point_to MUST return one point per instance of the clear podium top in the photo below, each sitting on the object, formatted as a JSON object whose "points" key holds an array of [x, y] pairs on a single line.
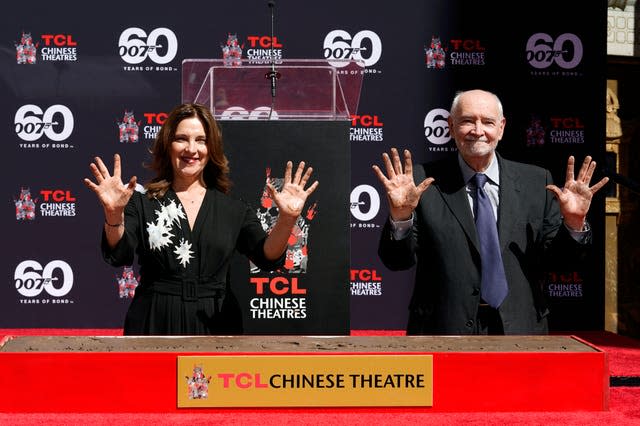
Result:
{"points": [[304, 89]]}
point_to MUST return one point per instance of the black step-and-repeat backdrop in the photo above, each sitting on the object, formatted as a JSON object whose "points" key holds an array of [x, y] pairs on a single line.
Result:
{"points": [[99, 78]]}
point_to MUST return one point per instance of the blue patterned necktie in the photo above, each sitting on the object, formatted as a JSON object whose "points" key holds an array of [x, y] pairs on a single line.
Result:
{"points": [[493, 287]]}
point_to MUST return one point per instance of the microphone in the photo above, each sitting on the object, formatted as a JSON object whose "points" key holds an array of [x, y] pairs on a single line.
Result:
{"points": [[273, 75]]}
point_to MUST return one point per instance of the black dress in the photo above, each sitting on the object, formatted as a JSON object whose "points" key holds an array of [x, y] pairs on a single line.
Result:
{"points": [[184, 287]]}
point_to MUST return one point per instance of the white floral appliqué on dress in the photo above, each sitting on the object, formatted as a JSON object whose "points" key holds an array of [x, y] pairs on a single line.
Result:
{"points": [[160, 232]]}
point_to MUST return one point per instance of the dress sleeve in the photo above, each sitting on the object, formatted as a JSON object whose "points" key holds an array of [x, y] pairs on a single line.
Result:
{"points": [[123, 253], [251, 242]]}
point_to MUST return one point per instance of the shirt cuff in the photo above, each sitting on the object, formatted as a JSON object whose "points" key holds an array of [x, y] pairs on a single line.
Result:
{"points": [[582, 236], [400, 229]]}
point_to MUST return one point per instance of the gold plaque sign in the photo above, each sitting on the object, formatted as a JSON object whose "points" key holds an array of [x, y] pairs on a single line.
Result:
{"points": [[305, 380]]}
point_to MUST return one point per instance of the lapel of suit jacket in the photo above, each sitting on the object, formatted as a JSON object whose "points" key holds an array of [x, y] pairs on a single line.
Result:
{"points": [[454, 193], [510, 193]]}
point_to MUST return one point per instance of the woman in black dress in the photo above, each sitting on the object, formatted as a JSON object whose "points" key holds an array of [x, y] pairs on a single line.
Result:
{"points": [[184, 228]]}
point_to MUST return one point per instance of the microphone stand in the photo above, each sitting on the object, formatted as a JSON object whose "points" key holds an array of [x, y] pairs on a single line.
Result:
{"points": [[272, 75]]}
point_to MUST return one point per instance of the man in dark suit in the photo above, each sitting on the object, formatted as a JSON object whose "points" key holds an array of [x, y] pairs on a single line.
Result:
{"points": [[432, 226]]}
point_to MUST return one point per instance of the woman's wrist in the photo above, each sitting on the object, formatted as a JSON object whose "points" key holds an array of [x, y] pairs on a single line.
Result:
{"points": [[114, 219]]}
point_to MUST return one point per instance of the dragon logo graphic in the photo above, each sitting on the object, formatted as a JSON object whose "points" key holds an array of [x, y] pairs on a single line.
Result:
{"points": [[232, 51], [435, 55], [129, 129], [26, 50], [25, 205]]}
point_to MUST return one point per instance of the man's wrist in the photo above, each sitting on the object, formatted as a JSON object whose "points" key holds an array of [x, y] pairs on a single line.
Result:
{"points": [[400, 229], [584, 228], [397, 221]]}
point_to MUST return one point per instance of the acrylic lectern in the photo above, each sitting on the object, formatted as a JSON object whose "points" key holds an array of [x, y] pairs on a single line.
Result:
{"points": [[298, 110]]}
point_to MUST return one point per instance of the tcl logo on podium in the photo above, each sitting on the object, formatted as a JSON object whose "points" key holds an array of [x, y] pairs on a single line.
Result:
{"points": [[278, 285]]}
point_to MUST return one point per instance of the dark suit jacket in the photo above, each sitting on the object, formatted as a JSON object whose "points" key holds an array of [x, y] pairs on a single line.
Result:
{"points": [[444, 248]]}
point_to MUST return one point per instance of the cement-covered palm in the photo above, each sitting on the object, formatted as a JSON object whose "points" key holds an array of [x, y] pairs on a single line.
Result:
{"points": [[112, 193], [575, 196], [402, 192], [293, 195]]}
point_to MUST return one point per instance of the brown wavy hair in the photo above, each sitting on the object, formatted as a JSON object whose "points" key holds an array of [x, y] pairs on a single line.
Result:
{"points": [[215, 173]]}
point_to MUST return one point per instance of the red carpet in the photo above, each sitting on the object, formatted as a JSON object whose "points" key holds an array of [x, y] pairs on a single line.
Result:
{"points": [[624, 362], [624, 352]]}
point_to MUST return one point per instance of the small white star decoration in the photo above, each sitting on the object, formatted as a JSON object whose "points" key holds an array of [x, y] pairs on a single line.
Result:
{"points": [[184, 252], [159, 235]]}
